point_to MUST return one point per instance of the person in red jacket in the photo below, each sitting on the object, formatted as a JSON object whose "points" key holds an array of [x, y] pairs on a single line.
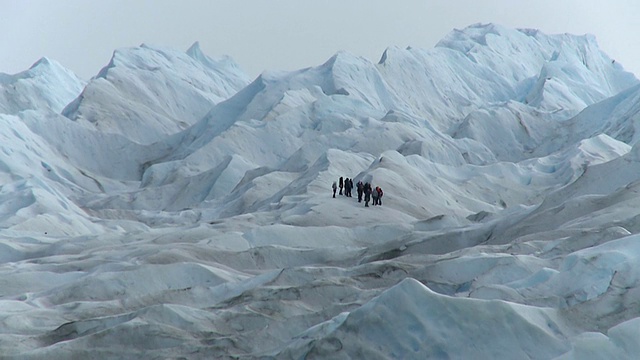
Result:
{"points": [[380, 193]]}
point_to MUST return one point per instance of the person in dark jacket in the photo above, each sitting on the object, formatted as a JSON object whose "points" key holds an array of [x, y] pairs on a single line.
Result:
{"points": [[341, 184], [347, 189], [360, 188], [334, 187], [367, 194], [350, 187]]}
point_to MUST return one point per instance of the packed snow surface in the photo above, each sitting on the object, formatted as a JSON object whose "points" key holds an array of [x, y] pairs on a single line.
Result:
{"points": [[171, 207]]}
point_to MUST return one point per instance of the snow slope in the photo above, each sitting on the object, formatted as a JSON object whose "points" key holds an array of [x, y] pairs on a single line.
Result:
{"points": [[174, 209]]}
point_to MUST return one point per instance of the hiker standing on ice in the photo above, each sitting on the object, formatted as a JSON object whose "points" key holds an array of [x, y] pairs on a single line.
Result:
{"points": [[374, 195], [341, 184], [367, 194], [380, 193], [359, 188], [347, 187], [334, 187]]}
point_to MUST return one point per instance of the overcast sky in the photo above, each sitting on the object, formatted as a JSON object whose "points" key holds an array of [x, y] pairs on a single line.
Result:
{"points": [[288, 34]]}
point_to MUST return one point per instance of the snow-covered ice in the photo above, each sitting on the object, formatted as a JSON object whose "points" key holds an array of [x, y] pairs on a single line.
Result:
{"points": [[171, 207]]}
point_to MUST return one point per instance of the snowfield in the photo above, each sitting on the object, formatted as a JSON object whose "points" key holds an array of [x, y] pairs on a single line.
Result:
{"points": [[171, 207]]}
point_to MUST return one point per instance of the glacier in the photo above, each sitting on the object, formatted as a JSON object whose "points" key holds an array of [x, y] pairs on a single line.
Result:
{"points": [[173, 207]]}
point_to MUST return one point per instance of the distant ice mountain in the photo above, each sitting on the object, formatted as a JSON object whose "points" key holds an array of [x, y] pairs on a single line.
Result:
{"points": [[171, 207], [147, 92], [46, 85]]}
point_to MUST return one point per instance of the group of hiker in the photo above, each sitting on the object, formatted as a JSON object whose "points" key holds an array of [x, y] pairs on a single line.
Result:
{"points": [[365, 190]]}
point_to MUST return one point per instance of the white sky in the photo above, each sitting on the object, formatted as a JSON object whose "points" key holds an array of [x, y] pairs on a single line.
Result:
{"points": [[287, 34]]}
